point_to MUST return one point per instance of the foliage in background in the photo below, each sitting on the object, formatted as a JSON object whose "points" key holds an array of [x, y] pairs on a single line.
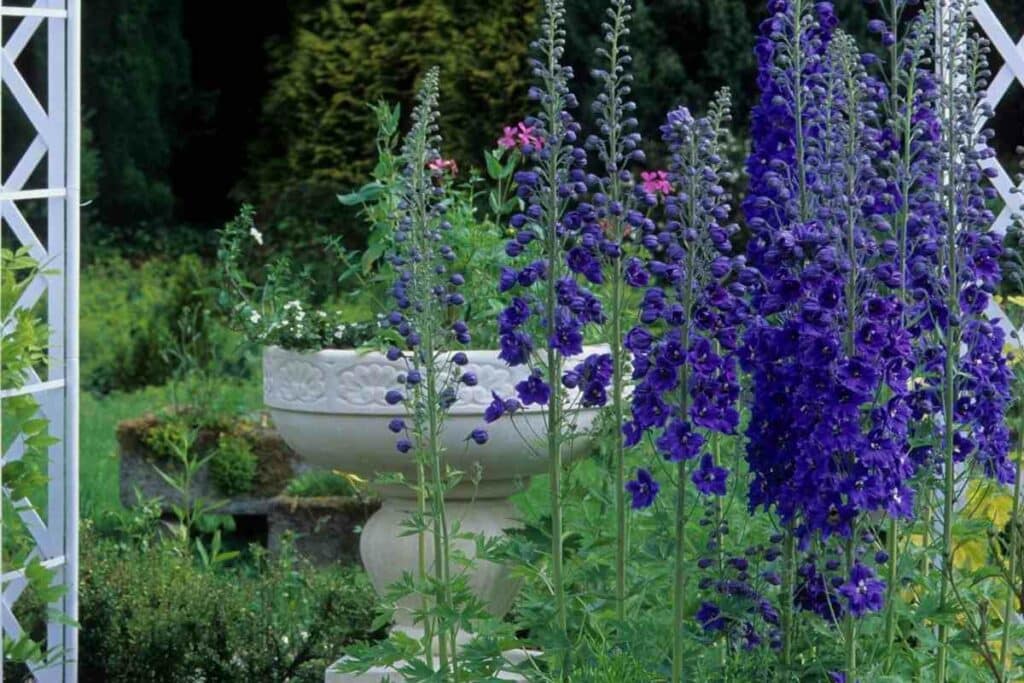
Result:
{"points": [[165, 134], [318, 484], [138, 75], [319, 134], [233, 466], [131, 315]]}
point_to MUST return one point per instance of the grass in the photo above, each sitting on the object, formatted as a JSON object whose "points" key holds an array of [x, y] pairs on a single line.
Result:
{"points": [[99, 466]]}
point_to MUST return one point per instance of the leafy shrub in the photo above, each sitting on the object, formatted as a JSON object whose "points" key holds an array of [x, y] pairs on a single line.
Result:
{"points": [[233, 465], [152, 614], [23, 348], [133, 314]]}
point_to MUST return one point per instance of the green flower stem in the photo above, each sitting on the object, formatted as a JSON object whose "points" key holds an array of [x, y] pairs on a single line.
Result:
{"points": [[1011, 583], [789, 543], [850, 625], [679, 591], [616, 192], [442, 542], [421, 539], [951, 342], [553, 206], [725, 651], [904, 114], [554, 425], [788, 589], [891, 548], [618, 410]]}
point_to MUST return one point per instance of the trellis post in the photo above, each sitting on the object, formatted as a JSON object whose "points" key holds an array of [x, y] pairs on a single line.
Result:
{"points": [[56, 140]]}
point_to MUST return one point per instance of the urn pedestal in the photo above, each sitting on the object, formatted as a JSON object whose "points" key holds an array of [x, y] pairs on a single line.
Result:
{"points": [[330, 407]]}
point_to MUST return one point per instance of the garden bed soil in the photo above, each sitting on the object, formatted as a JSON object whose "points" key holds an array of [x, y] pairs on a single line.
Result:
{"points": [[325, 529]]}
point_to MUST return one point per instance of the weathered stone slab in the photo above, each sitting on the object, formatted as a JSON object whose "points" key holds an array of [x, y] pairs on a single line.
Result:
{"points": [[326, 530], [277, 464]]}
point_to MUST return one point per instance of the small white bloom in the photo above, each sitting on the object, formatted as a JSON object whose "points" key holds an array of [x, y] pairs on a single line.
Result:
{"points": [[255, 317], [256, 235]]}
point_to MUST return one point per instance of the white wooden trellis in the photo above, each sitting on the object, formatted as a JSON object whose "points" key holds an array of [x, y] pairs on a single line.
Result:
{"points": [[54, 151], [1012, 71]]}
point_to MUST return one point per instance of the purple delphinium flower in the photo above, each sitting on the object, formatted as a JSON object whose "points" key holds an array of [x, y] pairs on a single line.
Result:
{"points": [[684, 362], [644, 489], [556, 250], [684, 349], [709, 478], [828, 349], [550, 308], [709, 616], [424, 289], [533, 390], [862, 591]]}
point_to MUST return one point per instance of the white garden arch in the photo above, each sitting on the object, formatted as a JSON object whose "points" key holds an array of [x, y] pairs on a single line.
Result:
{"points": [[1012, 71], [45, 177]]}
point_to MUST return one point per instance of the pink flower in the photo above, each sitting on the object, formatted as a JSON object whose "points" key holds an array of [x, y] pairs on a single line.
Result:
{"points": [[522, 136], [656, 182], [441, 165], [508, 138]]}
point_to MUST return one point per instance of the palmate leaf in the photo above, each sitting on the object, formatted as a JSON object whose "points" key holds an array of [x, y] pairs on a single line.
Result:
{"points": [[365, 194]]}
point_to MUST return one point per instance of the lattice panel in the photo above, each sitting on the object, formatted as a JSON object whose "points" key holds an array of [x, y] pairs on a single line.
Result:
{"points": [[1012, 71], [39, 208]]}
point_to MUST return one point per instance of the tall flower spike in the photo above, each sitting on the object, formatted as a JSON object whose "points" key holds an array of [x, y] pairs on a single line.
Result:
{"points": [[907, 160], [426, 298], [555, 249], [972, 380], [684, 349], [790, 51], [828, 350], [616, 219]]}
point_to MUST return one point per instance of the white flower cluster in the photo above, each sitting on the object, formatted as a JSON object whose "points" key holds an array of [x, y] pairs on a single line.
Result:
{"points": [[303, 329]]}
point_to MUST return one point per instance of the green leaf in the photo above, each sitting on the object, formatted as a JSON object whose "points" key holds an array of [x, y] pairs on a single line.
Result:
{"points": [[494, 168]]}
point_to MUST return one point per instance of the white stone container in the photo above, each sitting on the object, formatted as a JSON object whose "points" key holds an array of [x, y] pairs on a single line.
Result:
{"points": [[329, 406]]}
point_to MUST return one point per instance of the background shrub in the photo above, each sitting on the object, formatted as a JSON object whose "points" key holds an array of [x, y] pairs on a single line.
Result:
{"points": [[134, 315], [319, 133], [149, 613]]}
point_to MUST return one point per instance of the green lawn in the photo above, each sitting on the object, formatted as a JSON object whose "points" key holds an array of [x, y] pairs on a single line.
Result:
{"points": [[98, 445]]}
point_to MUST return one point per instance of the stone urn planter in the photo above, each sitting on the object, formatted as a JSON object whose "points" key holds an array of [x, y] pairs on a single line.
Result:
{"points": [[329, 407]]}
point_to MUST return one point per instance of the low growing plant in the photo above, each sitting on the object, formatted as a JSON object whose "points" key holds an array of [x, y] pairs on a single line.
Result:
{"points": [[233, 465], [151, 613]]}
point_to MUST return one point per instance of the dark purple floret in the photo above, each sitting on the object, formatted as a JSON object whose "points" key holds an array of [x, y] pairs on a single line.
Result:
{"points": [[862, 591], [644, 489], [709, 478], [710, 618]]}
